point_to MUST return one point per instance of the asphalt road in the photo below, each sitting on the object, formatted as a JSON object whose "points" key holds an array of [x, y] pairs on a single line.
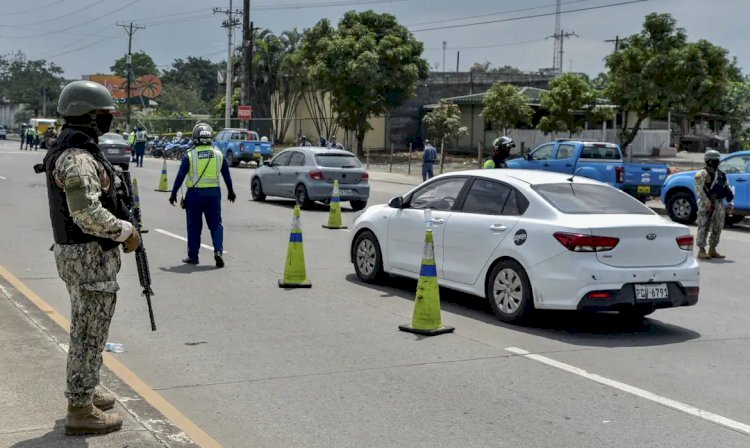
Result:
{"points": [[255, 365]]}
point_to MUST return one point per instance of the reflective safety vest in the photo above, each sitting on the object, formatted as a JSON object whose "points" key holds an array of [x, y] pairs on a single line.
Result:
{"points": [[131, 138], [205, 164], [490, 164]]}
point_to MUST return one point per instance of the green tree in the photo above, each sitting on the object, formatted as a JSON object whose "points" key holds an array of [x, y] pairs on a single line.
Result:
{"points": [[369, 64], [31, 82], [570, 102], [194, 74], [735, 106], [657, 71], [444, 123], [177, 100], [505, 107], [142, 64]]}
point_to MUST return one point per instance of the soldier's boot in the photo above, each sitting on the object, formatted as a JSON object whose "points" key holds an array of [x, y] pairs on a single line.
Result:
{"points": [[702, 255], [103, 399], [713, 254], [90, 420]]}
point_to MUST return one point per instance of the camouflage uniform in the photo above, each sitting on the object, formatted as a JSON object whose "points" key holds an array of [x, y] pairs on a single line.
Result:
{"points": [[88, 270], [710, 223]]}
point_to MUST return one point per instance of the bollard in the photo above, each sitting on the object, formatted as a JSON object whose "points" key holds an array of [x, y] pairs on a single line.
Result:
{"points": [[408, 167], [390, 168]]}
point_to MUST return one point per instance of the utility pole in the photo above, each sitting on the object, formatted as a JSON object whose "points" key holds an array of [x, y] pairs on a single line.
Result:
{"points": [[616, 40], [247, 59], [558, 41], [560, 38], [458, 58], [130, 29], [445, 45], [229, 24]]}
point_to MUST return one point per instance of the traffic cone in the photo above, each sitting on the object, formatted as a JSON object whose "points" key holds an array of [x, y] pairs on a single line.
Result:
{"points": [[295, 275], [426, 318], [137, 200], [163, 181], [334, 213]]}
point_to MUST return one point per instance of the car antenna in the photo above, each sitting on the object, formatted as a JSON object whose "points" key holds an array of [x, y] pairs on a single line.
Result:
{"points": [[570, 179]]}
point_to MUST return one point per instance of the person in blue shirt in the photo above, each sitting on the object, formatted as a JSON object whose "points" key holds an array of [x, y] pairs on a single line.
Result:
{"points": [[201, 166], [429, 156]]}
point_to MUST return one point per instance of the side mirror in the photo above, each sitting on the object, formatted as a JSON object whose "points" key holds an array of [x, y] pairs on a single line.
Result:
{"points": [[266, 163], [397, 202], [527, 156]]}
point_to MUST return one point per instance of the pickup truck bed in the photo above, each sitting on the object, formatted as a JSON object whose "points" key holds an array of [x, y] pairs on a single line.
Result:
{"points": [[644, 180]]}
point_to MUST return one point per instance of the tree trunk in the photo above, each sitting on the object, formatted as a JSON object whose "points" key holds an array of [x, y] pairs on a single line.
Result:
{"points": [[632, 133], [442, 154]]}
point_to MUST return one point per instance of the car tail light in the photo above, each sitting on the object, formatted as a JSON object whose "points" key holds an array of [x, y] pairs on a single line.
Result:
{"points": [[599, 295], [620, 174], [128, 149], [692, 291], [577, 242], [365, 177], [317, 175], [685, 242]]}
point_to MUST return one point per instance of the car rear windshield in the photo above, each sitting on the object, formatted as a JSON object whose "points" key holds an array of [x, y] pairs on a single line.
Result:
{"points": [[112, 137], [601, 152], [337, 161], [590, 199]]}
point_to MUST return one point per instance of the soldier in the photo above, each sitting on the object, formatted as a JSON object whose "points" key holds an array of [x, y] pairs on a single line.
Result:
{"points": [[89, 224], [712, 187]]}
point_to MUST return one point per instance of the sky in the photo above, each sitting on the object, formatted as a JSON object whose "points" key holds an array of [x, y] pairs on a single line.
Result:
{"points": [[82, 36]]}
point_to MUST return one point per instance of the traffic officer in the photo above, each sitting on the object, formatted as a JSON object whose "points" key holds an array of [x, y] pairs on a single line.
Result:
{"points": [[89, 224], [29, 137], [202, 166], [429, 156], [502, 146], [140, 146], [713, 188], [131, 143]]}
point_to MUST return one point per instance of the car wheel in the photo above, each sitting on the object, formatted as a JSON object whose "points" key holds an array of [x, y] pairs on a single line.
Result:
{"points": [[358, 205], [368, 260], [256, 190], [682, 208], [732, 220], [300, 195], [636, 313], [230, 159], [125, 166], [509, 291]]}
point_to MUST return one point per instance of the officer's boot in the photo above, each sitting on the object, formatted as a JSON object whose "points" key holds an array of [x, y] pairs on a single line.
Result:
{"points": [[713, 254], [702, 255], [103, 399], [90, 420]]}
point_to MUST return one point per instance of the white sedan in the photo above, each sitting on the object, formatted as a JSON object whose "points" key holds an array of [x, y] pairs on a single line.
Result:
{"points": [[530, 240]]}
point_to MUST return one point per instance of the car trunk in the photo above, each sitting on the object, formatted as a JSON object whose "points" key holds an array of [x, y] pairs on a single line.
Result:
{"points": [[343, 175], [113, 149], [642, 242]]}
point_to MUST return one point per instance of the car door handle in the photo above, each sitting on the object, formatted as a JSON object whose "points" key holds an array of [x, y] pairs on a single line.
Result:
{"points": [[741, 180], [546, 164], [498, 228], [568, 164], [438, 221]]}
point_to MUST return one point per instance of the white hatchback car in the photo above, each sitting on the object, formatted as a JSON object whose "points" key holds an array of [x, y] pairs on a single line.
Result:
{"points": [[530, 240]]}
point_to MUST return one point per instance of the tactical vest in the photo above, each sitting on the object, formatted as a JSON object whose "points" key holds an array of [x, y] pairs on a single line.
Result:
{"points": [[64, 229], [716, 185], [205, 167]]}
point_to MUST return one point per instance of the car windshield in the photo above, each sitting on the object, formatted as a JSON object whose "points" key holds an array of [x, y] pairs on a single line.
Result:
{"points": [[337, 161], [590, 199], [112, 137]]}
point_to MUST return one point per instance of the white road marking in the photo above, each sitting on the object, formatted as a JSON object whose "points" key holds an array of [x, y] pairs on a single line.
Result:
{"points": [[164, 232], [664, 401]]}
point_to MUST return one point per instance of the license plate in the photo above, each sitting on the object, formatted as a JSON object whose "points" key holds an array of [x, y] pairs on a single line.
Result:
{"points": [[346, 192], [113, 151], [651, 291], [644, 189]]}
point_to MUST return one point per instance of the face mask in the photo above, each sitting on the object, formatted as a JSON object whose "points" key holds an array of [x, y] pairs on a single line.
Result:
{"points": [[103, 122], [713, 164]]}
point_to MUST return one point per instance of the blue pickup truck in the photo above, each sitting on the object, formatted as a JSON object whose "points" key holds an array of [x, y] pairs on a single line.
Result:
{"points": [[678, 192], [242, 145], [596, 160]]}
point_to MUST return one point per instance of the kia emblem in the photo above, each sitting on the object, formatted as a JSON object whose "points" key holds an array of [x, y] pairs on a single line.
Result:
{"points": [[651, 236]]}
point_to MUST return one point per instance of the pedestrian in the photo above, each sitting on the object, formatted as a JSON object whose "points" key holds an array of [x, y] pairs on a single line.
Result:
{"points": [[131, 143], [202, 166], [322, 142], [22, 133], [502, 146], [89, 225], [29, 137], [36, 139], [140, 146], [334, 144], [712, 188], [429, 156]]}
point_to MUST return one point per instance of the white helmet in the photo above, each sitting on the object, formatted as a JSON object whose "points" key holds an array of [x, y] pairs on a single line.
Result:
{"points": [[179, 135], [264, 139]]}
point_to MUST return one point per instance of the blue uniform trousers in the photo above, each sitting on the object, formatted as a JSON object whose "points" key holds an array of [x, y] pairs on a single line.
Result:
{"points": [[200, 202], [427, 170]]}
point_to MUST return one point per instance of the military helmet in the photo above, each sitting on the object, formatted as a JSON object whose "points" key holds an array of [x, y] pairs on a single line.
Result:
{"points": [[202, 133], [503, 141], [81, 97], [712, 154]]}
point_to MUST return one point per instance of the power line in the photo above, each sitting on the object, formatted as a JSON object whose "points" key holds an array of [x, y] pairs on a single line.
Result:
{"points": [[511, 19], [474, 47], [76, 42], [23, 25], [36, 9], [499, 13], [325, 4]]}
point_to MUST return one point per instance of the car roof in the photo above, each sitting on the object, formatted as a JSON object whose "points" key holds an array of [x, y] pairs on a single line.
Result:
{"points": [[531, 177], [321, 150], [737, 153]]}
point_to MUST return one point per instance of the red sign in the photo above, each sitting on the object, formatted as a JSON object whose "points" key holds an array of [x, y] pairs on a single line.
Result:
{"points": [[245, 112]]}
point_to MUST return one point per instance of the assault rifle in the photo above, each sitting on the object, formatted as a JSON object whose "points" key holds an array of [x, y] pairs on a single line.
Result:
{"points": [[133, 203]]}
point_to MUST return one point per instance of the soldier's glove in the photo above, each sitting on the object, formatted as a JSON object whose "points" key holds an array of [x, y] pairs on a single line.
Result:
{"points": [[709, 206], [231, 196], [132, 242], [172, 200]]}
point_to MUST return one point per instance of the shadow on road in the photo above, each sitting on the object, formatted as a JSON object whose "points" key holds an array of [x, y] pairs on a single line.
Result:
{"points": [[189, 268], [54, 439], [577, 328], [315, 207]]}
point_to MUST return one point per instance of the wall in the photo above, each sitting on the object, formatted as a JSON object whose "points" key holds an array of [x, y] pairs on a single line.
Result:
{"points": [[643, 144], [7, 114]]}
